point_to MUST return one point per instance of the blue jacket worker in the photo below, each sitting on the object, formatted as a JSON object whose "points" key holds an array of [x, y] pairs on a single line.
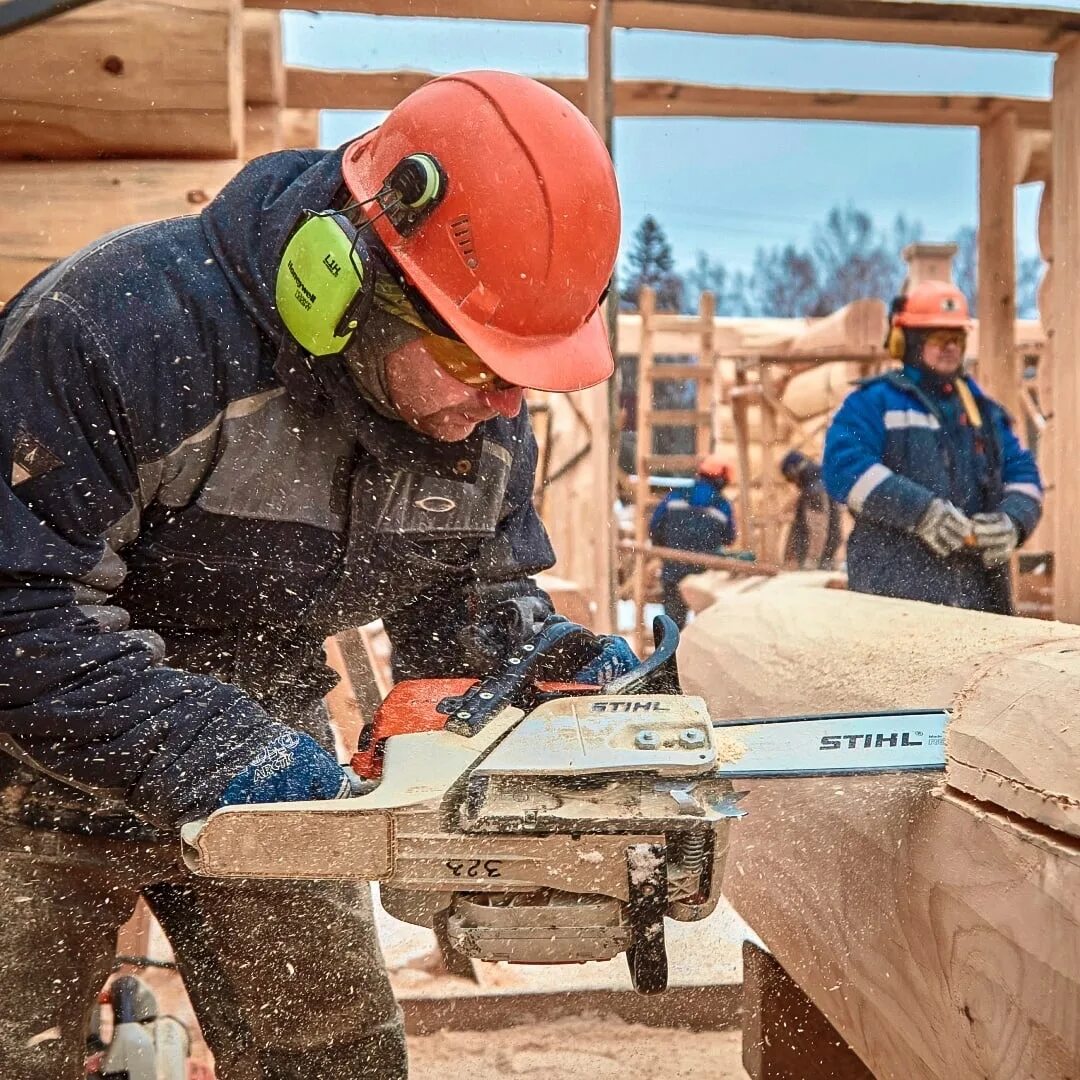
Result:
{"points": [[698, 520], [941, 490], [223, 438]]}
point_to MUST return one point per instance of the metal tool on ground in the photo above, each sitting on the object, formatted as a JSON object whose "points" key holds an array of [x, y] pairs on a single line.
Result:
{"points": [[534, 820]]}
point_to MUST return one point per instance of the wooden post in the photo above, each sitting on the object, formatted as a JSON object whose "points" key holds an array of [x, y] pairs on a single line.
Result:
{"points": [[601, 401], [739, 419], [647, 308], [706, 388], [999, 360], [1065, 319], [785, 1035], [770, 501]]}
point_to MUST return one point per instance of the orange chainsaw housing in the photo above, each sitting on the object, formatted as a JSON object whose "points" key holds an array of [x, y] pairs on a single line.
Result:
{"points": [[411, 707]]}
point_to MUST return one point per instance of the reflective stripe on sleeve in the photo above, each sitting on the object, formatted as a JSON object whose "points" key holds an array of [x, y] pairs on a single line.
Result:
{"points": [[860, 491], [1030, 490], [897, 419]]}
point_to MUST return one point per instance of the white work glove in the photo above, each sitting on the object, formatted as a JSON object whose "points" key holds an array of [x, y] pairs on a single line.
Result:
{"points": [[943, 528], [996, 537]]}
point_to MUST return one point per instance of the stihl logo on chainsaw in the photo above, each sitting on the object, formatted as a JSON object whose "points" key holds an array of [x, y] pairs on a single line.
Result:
{"points": [[628, 706], [873, 741]]}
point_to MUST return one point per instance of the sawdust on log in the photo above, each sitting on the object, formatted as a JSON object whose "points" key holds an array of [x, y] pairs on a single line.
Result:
{"points": [[578, 1048]]}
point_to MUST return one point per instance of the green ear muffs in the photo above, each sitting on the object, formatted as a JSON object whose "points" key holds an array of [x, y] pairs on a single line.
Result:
{"points": [[325, 283]]}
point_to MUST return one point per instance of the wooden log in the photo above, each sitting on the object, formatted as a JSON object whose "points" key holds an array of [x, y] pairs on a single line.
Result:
{"points": [[371, 90], [939, 935], [125, 78], [785, 1035], [821, 389], [61, 207], [939, 938], [1000, 363], [263, 131], [857, 328], [802, 648], [299, 128], [1065, 324], [264, 65], [962, 25], [1015, 739]]}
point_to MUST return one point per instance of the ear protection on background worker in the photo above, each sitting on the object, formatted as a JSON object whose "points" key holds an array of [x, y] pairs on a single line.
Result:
{"points": [[895, 342], [325, 281]]}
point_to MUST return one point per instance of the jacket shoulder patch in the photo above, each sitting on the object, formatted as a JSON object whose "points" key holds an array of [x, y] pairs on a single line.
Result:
{"points": [[30, 458]]}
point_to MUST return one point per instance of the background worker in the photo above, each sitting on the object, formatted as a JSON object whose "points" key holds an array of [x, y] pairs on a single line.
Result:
{"points": [[815, 536], [941, 490], [223, 438], [700, 519]]}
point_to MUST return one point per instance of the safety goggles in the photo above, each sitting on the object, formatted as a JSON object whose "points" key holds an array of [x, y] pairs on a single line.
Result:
{"points": [[942, 339], [440, 342]]}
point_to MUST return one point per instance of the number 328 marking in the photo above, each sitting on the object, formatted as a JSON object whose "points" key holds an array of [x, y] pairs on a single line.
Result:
{"points": [[475, 868]]}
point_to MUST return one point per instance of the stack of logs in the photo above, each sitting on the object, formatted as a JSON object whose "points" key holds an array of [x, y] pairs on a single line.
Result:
{"points": [[126, 111]]}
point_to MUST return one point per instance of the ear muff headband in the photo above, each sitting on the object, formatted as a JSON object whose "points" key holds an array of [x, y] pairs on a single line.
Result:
{"points": [[325, 283], [326, 275]]}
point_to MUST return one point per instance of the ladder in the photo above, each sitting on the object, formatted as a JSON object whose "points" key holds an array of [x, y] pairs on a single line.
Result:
{"points": [[699, 417]]}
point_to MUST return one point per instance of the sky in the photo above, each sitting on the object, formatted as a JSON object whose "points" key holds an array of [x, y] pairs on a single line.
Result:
{"points": [[725, 187]]}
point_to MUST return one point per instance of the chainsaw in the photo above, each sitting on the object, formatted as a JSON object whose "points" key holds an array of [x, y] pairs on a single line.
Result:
{"points": [[530, 819]]}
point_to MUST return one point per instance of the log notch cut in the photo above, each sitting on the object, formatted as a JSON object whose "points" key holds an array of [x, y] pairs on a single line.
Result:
{"points": [[938, 932], [125, 79]]}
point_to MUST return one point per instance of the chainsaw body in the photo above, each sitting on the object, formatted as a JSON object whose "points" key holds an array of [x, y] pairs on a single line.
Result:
{"points": [[525, 818], [530, 819]]}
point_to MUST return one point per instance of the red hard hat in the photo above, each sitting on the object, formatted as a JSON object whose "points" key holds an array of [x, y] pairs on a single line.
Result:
{"points": [[517, 254], [933, 305], [714, 467]]}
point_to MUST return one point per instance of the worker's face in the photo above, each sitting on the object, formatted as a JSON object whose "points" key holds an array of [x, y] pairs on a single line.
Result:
{"points": [[438, 405], [943, 351]]}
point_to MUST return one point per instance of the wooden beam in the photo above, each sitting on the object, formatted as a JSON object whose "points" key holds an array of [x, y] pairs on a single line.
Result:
{"points": [[937, 937], [977, 26], [643, 452], [785, 1035], [125, 78], [600, 401], [379, 90], [940, 936], [264, 64], [1016, 740], [62, 206], [1065, 320], [1000, 364]]}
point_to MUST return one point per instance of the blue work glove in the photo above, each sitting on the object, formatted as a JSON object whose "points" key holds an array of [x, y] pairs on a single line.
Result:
{"points": [[293, 768], [614, 659]]}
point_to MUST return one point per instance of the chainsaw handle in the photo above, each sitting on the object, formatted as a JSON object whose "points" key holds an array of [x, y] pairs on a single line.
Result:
{"points": [[561, 648], [659, 674]]}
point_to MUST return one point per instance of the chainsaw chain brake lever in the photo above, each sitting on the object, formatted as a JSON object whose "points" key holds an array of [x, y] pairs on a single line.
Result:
{"points": [[659, 674], [560, 649]]}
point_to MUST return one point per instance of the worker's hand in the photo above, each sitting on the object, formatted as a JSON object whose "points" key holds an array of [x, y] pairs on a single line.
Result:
{"points": [[292, 768], [614, 658], [996, 536], [943, 528]]}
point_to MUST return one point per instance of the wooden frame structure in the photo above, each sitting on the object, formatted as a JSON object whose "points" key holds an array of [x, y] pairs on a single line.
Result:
{"points": [[246, 89]]}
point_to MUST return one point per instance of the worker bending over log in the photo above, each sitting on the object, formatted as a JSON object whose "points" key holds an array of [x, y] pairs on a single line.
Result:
{"points": [[222, 439], [941, 490], [699, 520]]}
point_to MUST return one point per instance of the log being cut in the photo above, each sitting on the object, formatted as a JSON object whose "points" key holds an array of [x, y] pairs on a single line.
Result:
{"points": [[936, 926]]}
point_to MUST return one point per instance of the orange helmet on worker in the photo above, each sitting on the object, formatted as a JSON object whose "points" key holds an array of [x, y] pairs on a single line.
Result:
{"points": [[516, 255], [714, 467], [928, 327]]}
